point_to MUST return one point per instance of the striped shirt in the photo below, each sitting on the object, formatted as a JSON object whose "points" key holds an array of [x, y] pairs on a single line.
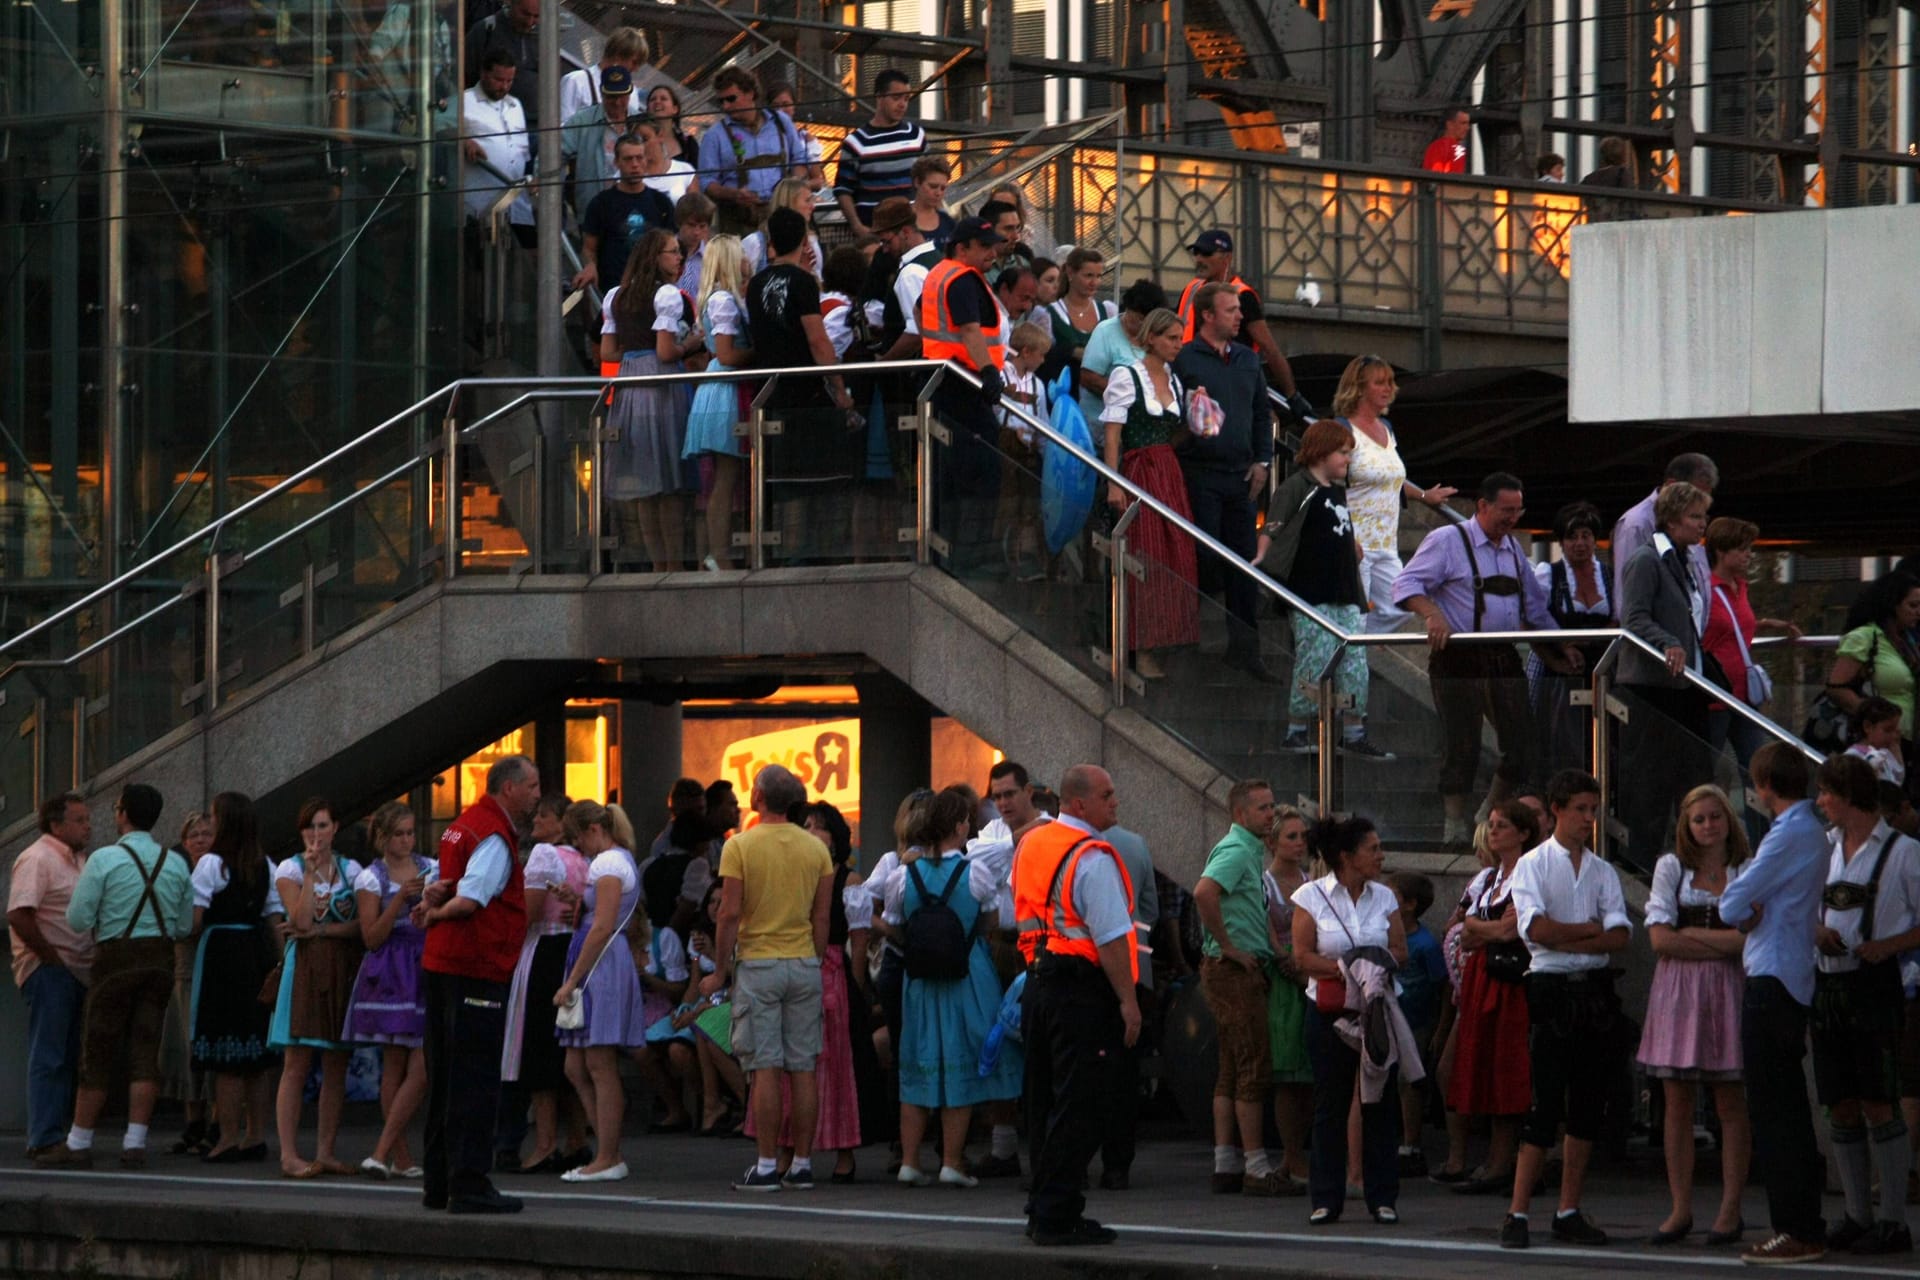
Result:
{"points": [[877, 162]]}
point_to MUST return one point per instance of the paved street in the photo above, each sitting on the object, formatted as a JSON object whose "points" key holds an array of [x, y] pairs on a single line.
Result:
{"points": [[677, 1216]]}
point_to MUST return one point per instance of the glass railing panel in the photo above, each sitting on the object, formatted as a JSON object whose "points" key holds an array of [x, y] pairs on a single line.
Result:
{"points": [[150, 679], [816, 457], [1664, 749], [19, 749], [1049, 577], [313, 64]]}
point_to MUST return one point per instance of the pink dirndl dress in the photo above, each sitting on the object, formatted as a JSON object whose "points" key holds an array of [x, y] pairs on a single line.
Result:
{"points": [[1693, 1008]]}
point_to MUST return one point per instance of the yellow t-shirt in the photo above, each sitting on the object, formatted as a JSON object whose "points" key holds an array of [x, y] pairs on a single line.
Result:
{"points": [[779, 867]]}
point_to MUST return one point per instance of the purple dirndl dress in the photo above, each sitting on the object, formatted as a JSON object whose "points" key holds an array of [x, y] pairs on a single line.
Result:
{"points": [[614, 1005], [388, 1005]]}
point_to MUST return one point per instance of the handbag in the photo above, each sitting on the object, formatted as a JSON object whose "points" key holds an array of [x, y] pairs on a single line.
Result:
{"points": [[1330, 994], [1507, 960], [572, 1016], [1759, 684], [1828, 727]]}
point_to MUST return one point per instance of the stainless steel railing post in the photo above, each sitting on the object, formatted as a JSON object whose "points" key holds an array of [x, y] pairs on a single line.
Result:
{"points": [[1119, 565], [1603, 711], [212, 615], [1328, 696], [450, 491]]}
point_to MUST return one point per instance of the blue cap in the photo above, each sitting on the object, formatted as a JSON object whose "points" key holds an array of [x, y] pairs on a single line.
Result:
{"points": [[616, 79]]}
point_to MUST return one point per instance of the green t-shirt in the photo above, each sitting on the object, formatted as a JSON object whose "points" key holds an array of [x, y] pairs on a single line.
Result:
{"points": [[1238, 864], [1892, 678]]}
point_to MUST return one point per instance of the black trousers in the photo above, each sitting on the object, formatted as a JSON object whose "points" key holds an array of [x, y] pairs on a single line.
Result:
{"points": [[1573, 1022], [1786, 1157], [1336, 1065], [1123, 1112], [1469, 683], [1222, 508], [466, 1025], [1076, 1048]]}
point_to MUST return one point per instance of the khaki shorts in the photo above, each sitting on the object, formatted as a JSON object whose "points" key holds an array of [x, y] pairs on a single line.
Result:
{"points": [[776, 1014], [1238, 1001], [127, 998]]}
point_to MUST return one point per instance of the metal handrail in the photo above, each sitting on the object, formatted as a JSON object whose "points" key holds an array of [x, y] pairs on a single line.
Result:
{"points": [[583, 387], [1388, 639]]}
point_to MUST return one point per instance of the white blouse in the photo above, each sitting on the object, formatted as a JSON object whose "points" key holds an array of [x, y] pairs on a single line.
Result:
{"points": [[1673, 889], [1120, 395], [669, 311], [1340, 924], [618, 863], [345, 872], [368, 882], [210, 877]]}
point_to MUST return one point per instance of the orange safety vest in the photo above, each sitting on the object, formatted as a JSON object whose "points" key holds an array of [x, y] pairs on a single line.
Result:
{"points": [[1186, 301], [939, 336], [1044, 867]]}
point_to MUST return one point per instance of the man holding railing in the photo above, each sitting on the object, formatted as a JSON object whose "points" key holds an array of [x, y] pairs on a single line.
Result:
{"points": [[1475, 577]]}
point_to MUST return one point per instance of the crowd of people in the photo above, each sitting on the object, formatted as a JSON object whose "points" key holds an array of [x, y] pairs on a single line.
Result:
{"points": [[1003, 958]]}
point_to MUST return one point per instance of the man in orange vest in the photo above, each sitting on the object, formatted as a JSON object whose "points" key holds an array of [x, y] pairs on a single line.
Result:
{"points": [[1079, 1015], [1213, 261], [960, 320]]}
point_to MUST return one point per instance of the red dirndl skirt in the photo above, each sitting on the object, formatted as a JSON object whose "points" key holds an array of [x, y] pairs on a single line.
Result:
{"points": [[1491, 1076], [1163, 611]]}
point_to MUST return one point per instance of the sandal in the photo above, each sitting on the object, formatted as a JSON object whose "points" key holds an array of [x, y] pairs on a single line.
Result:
{"points": [[302, 1173], [193, 1140], [335, 1167]]}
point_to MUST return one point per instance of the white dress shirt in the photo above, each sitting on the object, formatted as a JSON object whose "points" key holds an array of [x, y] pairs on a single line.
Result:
{"points": [[1545, 884], [499, 126], [1896, 905]]}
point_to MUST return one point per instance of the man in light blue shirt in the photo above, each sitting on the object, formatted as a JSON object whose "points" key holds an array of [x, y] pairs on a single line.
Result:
{"points": [[1776, 903], [135, 898]]}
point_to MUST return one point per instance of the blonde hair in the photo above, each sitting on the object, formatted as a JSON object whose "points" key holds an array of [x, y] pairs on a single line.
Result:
{"points": [[1684, 847], [191, 821], [1353, 383], [787, 194], [381, 825], [1030, 337], [620, 827], [723, 269], [1158, 321]]}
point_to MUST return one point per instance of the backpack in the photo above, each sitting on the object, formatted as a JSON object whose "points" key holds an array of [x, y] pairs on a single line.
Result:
{"points": [[937, 944]]}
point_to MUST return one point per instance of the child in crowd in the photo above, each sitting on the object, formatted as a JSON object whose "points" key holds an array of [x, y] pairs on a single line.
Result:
{"points": [[1424, 986], [693, 213], [1019, 522], [1876, 732]]}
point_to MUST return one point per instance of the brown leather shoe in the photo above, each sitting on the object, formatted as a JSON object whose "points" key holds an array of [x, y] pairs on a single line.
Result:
{"points": [[64, 1157], [1784, 1250], [1274, 1183], [133, 1158]]}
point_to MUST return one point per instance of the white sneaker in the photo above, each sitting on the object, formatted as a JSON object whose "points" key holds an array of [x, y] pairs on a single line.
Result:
{"points": [[618, 1173], [952, 1177], [375, 1170], [912, 1177], [412, 1171]]}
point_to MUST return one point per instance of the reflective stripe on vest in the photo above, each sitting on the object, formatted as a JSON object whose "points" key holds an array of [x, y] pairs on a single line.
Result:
{"points": [[939, 336], [1050, 923], [1186, 299]]}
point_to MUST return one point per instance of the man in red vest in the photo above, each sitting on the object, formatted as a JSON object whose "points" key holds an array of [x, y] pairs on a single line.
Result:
{"points": [[1074, 904], [475, 916]]}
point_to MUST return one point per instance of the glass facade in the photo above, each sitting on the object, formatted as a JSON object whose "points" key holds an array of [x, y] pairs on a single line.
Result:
{"points": [[223, 225]]}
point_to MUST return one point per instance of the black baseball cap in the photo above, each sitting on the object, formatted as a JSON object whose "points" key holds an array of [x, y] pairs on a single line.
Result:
{"points": [[1211, 242]]}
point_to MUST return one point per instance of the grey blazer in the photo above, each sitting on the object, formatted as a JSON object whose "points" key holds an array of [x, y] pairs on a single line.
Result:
{"points": [[1656, 604]]}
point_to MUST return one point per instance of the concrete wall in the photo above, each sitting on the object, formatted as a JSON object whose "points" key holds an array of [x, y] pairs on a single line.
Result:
{"points": [[1790, 313]]}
